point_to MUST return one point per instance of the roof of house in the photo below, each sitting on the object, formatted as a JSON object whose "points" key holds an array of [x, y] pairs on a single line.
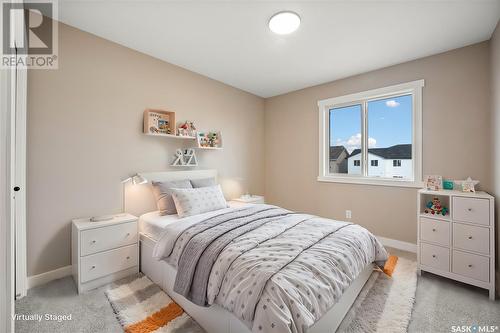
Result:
{"points": [[400, 152], [336, 151]]}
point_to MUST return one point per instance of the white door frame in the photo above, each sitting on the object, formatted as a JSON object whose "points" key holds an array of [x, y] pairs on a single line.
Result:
{"points": [[13, 93], [18, 155], [7, 223]]}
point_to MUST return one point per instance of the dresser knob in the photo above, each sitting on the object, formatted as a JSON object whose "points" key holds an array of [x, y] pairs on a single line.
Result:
{"points": [[469, 209], [128, 257], [470, 237], [434, 256], [94, 241], [128, 234], [433, 229], [470, 265], [93, 267]]}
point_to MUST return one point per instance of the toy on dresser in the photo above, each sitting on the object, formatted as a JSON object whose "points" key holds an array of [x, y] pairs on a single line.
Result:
{"points": [[434, 207]]}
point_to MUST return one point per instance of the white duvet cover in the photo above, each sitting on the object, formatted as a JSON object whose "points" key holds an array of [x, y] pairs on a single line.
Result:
{"points": [[284, 275]]}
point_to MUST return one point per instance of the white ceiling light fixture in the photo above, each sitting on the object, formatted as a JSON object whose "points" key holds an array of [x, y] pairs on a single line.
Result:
{"points": [[284, 23]]}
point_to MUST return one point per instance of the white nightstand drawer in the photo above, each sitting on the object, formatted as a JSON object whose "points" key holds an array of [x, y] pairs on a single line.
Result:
{"points": [[105, 263], [471, 210], [471, 238], [435, 256], [107, 238], [471, 265], [435, 231]]}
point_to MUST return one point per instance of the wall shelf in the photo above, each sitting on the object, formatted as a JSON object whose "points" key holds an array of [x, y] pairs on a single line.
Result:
{"points": [[209, 148], [172, 136]]}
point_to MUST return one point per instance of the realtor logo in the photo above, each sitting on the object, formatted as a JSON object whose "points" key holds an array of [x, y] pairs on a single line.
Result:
{"points": [[29, 34]]}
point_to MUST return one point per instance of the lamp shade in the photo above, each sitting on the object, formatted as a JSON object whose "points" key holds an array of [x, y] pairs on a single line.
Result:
{"points": [[136, 179]]}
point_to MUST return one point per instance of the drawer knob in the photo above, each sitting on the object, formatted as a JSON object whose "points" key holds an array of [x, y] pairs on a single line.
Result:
{"points": [[469, 265], [93, 266], [469, 209], [128, 234], [94, 241], [434, 256], [470, 237], [433, 229], [128, 257]]}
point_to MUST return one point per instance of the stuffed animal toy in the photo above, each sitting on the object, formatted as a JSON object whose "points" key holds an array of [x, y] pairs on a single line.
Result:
{"points": [[434, 207]]}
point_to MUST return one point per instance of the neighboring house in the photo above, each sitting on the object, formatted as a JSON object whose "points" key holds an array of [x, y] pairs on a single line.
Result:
{"points": [[390, 162], [338, 159]]}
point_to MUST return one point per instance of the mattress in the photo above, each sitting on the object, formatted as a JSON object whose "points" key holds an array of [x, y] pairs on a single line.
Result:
{"points": [[153, 224]]}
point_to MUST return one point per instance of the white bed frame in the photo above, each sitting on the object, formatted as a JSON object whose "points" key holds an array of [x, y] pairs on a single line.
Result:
{"points": [[215, 319]]}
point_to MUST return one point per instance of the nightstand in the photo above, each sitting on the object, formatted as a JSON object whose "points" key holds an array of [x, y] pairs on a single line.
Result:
{"points": [[105, 251], [253, 199]]}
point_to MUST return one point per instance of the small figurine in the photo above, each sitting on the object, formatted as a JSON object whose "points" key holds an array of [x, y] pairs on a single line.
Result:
{"points": [[434, 207], [187, 129], [212, 139]]}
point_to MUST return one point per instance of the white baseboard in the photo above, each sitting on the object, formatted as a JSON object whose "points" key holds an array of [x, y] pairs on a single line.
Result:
{"points": [[36, 280], [397, 244]]}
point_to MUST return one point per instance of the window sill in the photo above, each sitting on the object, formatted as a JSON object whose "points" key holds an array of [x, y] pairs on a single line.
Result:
{"points": [[371, 181]]}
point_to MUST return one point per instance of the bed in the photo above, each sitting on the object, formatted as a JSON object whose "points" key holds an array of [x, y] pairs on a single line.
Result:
{"points": [[309, 290]]}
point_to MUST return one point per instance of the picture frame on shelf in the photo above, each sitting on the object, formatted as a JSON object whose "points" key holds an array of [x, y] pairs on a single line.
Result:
{"points": [[434, 182], [159, 122]]}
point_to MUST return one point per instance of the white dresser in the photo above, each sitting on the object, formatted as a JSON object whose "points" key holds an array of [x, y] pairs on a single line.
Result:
{"points": [[461, 244], [104, 251]]}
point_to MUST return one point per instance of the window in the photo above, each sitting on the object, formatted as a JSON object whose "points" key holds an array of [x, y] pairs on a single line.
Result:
{"points": [[373, 137]]}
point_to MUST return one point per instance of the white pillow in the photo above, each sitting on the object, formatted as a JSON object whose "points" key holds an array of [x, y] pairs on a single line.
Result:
{"points": [[194, 201]]}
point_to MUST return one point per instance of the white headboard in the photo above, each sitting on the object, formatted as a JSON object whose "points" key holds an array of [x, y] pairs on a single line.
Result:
{"points": [[139, 199]]}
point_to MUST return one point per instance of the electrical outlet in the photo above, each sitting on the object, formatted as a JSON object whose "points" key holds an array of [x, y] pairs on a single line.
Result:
{"points": [[348, 214]]}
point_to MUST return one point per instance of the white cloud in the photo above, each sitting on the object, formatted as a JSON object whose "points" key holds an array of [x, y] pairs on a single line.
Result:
{"points": [[354, 142], [392, 103]]}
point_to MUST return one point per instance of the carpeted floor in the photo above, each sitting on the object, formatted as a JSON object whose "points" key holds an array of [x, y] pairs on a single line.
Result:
{"points": [[440, 304]]}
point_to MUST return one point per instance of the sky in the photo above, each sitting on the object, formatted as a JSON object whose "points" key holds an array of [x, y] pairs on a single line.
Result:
{"points": [[389, 123]]}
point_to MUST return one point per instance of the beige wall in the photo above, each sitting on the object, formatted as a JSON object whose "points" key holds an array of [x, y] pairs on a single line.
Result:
{"points": [[456, 140], [84, 134], [495, 107]]}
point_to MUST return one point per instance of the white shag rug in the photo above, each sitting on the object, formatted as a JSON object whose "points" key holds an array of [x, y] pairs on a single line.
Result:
{"points": [[385, 304]]}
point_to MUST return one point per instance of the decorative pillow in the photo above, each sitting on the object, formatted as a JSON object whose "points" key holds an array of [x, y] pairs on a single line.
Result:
{"points": [[204, 182], [198, 200], [163, 194]]}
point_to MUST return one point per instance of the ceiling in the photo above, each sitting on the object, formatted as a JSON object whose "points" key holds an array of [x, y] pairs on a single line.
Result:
{"points": [[230, 41]]}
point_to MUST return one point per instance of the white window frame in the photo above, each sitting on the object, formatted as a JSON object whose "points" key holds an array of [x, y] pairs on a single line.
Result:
{"points": [[415, 89]]}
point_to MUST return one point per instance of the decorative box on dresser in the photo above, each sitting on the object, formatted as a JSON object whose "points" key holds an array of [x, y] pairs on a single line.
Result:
{"points": [[104, 251], [461, 244], [250, 199]]}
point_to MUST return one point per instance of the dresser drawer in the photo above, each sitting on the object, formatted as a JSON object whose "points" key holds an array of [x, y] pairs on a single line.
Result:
{"points": [[435, 231], [471, 265], [107, 238], [435, 256], [471, 238], [471, 210], [101, 264]]}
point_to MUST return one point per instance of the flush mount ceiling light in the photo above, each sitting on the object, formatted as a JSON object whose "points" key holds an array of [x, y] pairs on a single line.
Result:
{"points": [[284, 23]]}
